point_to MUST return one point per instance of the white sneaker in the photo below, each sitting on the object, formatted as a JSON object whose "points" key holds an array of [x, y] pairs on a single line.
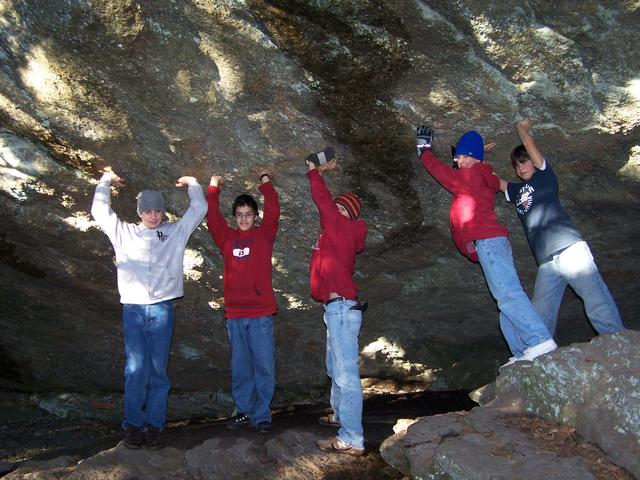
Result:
{"points": [[539, 349], [511, 361]]}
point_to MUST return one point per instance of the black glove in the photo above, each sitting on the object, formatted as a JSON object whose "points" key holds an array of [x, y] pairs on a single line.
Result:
{"points": [[424, 138], [320, 158]]}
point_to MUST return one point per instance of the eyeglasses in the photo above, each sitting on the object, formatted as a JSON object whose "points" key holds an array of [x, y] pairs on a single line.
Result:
{"points": [[246, 215]]}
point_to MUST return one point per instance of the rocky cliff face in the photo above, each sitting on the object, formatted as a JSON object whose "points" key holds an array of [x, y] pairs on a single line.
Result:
{"points": [[163, 89]]}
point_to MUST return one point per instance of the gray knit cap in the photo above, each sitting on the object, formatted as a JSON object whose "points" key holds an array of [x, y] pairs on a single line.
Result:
{"points": [[150, 200]]}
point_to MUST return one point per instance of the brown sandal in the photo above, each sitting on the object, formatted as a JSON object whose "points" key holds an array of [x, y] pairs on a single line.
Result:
{"points": [[335, 445], [329, 421]]}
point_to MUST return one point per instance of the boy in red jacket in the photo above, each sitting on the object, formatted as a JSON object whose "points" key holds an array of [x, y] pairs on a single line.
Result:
{"points": [[479, 236], [249, 299], [332, 266]]}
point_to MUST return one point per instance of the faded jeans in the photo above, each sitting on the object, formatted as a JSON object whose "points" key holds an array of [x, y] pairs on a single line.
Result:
{"points": [[521, 324], [574, 266], [252, 366], [147, 340], [343, 330]]}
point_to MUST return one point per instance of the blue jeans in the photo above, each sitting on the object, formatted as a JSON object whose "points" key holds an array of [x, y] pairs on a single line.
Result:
{"points": [[343, 330], [147, 340], [253, 377], [520, 323], [574, 266]]}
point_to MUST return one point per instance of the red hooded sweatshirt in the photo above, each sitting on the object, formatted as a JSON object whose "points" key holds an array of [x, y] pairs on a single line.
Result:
{"points": [[248, 292], [472, 213], [334, 255]]}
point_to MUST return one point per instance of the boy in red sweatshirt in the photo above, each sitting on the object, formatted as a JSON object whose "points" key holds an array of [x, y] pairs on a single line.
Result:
{"points": [[332, 266], [249, 299], [479, 236]]}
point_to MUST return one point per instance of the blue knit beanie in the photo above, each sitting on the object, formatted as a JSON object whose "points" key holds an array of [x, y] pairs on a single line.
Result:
{"points": [[472, 145]]}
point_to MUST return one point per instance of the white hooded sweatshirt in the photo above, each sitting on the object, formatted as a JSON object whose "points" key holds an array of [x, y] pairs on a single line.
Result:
{"points": [[149, 261]]}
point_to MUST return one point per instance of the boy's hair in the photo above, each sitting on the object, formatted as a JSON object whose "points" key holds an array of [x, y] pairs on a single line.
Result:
{"points": [[519, 155], [244, 200]]}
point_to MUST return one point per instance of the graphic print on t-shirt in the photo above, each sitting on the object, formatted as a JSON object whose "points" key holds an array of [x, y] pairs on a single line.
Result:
{"points": [[242, 248], [524, 199]]}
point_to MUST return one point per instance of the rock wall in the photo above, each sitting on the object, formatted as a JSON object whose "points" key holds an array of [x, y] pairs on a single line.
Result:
{"points": [[158, 90]]}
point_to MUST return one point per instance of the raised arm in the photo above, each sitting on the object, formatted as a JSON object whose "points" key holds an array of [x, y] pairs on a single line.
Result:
{"points": [[216, 222], [271, 202], [197, 203], [101, 206], [320, 194], [444, 174], [522, 128]]}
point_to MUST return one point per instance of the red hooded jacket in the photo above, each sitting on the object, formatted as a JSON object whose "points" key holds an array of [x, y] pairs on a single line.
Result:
{"points": [[472, 213], [248, 292], [334, 255]]}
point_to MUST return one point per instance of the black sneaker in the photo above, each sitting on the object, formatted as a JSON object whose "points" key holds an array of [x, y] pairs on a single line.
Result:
{"points": [[264, 427], [133, 438], [239, 421], [153, 438]]}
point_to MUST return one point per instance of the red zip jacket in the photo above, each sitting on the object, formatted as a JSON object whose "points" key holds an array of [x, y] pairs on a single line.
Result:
{"points": [[334, 256], [247, 257], [472, 213]]}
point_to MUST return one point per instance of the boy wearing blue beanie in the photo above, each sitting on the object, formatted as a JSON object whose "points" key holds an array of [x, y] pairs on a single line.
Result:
{"points": [[479, 236]]}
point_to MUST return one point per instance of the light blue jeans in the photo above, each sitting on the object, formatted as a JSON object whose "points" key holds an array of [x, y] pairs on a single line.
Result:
{"points": [[574, 266], [147, 340], [520, 323], [253, 377], [343, 330]]}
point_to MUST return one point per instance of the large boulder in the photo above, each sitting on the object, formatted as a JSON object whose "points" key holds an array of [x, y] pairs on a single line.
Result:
{"points": [[592, 387], [589, 390]]}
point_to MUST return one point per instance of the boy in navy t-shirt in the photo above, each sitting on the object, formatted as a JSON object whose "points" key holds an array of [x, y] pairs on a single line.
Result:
{"points": [[563, 257]]}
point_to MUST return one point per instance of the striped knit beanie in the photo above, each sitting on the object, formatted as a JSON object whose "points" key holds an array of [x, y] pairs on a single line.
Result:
{"points": [[351, 202]]}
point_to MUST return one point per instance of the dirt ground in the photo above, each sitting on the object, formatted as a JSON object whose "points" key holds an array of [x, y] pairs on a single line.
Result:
{"points": [[29, 433]]}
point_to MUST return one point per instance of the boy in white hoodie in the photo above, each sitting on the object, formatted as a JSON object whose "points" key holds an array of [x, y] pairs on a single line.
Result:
{"points": [[149, 261]]}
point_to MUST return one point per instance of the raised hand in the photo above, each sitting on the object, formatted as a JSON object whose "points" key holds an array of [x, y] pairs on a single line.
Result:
{"points": [[264, 175], [325, 167], [113, 178], [185, 181], [525, 123], [310, 164], [216, 181], [489, 147]]}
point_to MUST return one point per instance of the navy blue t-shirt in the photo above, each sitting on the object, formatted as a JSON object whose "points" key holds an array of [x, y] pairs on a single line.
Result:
{"points": [[546, 225]]}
